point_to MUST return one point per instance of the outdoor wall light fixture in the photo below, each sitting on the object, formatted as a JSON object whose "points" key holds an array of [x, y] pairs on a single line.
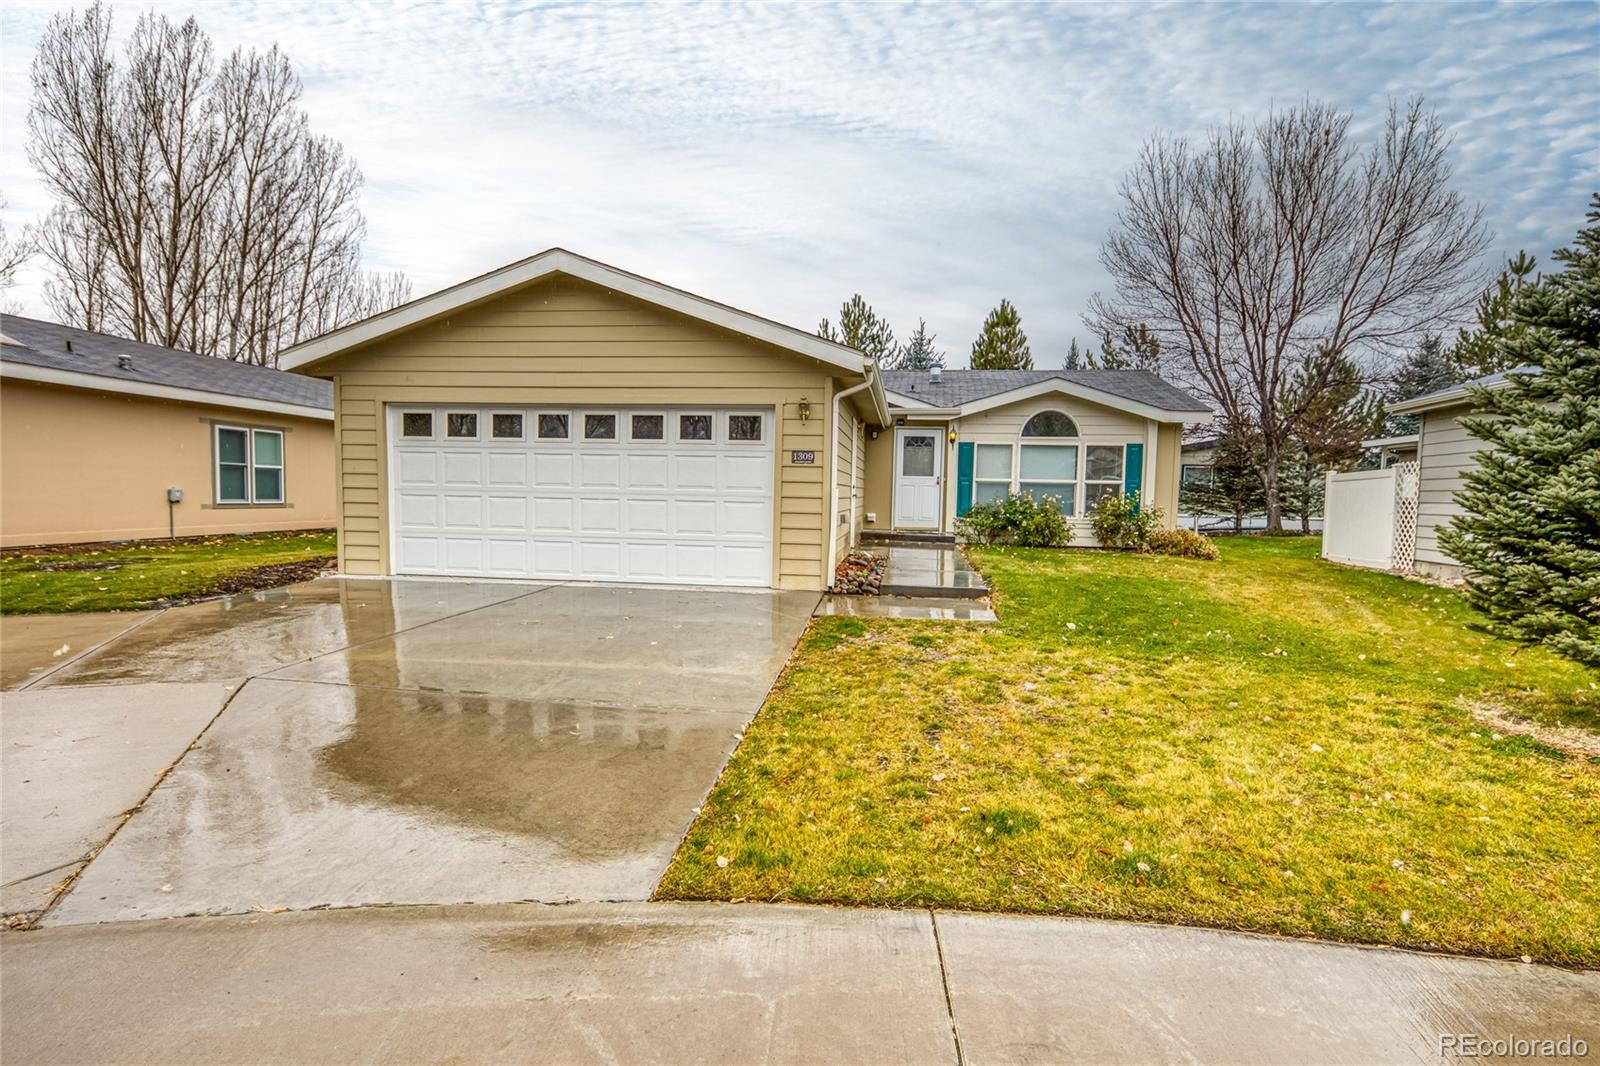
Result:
{"points": [[952, 436], [805, 411]]}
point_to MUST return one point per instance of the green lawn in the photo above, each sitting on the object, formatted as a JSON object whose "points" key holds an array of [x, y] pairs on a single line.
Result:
{"points": [[1268, 742], [146, 573]]}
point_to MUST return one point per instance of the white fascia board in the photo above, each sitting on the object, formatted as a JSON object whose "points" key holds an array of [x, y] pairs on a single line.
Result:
{"points": [[561, 261], [1073, 389], [1389, 442], [73, 379]]}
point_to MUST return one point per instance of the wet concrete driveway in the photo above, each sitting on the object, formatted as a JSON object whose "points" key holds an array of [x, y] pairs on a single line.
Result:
{"points": [[428, 742]]}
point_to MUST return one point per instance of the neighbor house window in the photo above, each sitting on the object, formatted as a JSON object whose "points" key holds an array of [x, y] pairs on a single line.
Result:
{"points": [[553, 427], [649, 427], [599, 427], [1197, 475], [694, 427], [991, 473], [1049, 471], [1102, 473], [249, 465]]}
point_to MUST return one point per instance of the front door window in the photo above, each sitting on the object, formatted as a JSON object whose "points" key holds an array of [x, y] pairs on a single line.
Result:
{"points": [[916, 456]]}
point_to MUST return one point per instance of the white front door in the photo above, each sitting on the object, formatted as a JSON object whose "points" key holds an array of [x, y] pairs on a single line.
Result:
{"points": [[918, 477]]}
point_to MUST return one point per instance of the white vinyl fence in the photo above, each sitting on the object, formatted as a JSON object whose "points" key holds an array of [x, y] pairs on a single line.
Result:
{"points": [[1370, 518]]}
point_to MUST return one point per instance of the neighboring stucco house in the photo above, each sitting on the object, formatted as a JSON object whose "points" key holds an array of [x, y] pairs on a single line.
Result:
{"points": [[1446, 452], [96, 430], [561, 418]]}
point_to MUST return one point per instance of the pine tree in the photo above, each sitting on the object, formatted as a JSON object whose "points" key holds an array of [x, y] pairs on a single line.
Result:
{"points": [[1001, 344], [1235, 488], [861, 328], [1138, 349], [1477, 351], [1426, 368], [918, 353], [1074, 359], [1530, 535], [1330, 412]]}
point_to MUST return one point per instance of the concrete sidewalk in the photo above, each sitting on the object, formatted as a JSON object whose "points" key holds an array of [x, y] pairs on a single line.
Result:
{"points": [[677, 983]]}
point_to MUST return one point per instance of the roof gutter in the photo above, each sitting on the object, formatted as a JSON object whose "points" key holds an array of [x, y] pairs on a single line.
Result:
{"points": [[833, 481]]}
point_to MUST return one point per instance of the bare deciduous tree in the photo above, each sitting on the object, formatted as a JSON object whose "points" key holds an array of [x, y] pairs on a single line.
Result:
{"points": [[15, 249], [195, 207], [1268, 246]]}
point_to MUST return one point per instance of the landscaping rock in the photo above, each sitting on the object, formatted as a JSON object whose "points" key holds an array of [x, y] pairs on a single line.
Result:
{"points": [[858, 574]]}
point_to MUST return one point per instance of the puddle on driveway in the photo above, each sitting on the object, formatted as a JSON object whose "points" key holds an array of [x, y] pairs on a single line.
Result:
{"points": [[307, 795], [255, 632]]}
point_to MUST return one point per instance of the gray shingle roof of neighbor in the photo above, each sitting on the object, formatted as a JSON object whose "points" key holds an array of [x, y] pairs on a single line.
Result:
{"points": [[44, 344], [1451, 394], [957, 387]]}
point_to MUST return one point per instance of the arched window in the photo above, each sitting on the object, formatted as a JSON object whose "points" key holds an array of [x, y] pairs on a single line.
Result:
{"points": [[1049, 424]]}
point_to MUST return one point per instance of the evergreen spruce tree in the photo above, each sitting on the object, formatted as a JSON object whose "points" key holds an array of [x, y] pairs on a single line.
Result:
{"points": [[1477, 351], [1426, 368], [1235, 487], [861, 328], [1530, 534], [1074, 359], [1138, 349], [918, 353], [1001, 344]]}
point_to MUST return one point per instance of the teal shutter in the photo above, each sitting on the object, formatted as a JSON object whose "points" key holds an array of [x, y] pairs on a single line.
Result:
{"points": [[963, 478], [1132, 469]]}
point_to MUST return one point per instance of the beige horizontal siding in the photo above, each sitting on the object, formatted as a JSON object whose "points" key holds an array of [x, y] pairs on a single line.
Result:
{"points": [[566, 343]]}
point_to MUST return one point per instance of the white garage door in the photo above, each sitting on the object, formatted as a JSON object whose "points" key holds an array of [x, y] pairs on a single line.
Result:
{"points": [[680, 495]]}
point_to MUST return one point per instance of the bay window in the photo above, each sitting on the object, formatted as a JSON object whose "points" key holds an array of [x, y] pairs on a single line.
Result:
{"points": [[991, 473], [1049, 471], [1102, 473]]}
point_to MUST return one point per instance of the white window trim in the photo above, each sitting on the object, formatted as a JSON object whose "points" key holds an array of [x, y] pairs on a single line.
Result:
{"points": [[477, 425], [571, 417], [1120, 481], [677, 424], [616, 428], [519, 439], [433, 423], [728, 416], [1010, 481], [650, 442], [250, 498]]}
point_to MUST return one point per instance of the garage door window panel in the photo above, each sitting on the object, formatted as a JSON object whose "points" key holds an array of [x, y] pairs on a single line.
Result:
{"points": [[745, 428], [554, 425], [648, 428], [461, 425], [506, 425], [696, 428], [416, 425], [599, 427]]}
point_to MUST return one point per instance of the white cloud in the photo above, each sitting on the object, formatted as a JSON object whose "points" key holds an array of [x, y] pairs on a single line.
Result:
{"points": [[933, 157]]}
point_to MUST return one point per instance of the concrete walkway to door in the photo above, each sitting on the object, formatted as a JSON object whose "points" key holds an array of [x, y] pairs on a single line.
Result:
{"points": [[350, 742]]}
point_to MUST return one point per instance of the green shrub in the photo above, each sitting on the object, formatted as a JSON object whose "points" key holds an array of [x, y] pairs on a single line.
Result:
{"points": [[1120, 522], [1184, 542], [1017, 520]]}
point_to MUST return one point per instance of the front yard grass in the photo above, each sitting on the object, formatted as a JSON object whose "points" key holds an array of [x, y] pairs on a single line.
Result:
{"points": [[139, 574], [1267, 742]]}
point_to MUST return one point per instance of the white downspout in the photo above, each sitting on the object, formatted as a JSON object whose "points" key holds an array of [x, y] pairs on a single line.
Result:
{"points": [[833, 480]]}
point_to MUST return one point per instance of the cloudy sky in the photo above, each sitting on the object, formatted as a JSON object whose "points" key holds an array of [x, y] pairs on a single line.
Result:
{"points": [[933, 157]]}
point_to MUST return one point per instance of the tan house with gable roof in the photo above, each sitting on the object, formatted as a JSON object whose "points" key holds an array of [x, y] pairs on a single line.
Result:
{"points": [[559, 418]]}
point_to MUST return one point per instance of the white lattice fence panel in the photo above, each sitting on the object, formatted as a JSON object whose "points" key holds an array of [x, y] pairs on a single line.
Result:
{"points": [[1407, 481]]}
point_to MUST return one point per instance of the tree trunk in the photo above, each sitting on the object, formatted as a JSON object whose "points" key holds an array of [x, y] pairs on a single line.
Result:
{"points": [[1270, 488]]}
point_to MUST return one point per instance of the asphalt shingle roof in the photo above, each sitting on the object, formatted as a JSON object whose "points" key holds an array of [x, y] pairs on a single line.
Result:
{"points": [[957, 387], [44, 344]]}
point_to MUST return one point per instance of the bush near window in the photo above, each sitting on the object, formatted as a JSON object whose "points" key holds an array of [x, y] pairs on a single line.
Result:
{"points": [[1183, 542], [1119, 521], [1017, 519]]}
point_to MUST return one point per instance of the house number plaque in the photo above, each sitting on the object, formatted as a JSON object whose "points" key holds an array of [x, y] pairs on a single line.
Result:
{"points": [[802, 458]]}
